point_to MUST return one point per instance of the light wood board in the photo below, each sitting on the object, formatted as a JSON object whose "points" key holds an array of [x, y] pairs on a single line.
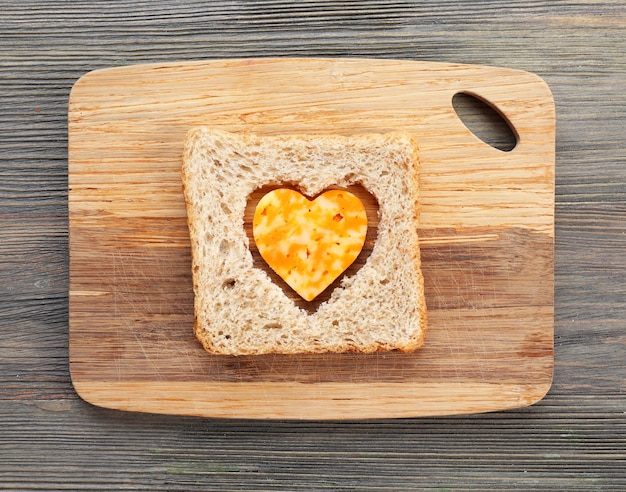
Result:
{"points": [[487, 235]]}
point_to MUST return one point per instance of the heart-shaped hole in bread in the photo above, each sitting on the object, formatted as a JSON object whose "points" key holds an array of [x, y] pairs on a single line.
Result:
{"points": [[307, 244]]}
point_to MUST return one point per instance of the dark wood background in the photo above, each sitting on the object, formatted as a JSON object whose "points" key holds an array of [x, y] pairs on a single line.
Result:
{"points": [[574, 439]]}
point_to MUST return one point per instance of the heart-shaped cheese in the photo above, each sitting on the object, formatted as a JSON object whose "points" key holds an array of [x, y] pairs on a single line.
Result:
{"points": [[309, 243]]}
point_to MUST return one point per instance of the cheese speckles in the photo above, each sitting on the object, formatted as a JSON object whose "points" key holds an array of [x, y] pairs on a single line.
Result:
{"points": [[309, 243]]}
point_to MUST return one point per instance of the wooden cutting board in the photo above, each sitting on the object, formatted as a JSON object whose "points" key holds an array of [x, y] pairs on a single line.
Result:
{"points": [[487, 234]]}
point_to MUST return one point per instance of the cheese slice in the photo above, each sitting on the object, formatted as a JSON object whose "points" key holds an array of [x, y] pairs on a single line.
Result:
{"points": [[309, 243]]}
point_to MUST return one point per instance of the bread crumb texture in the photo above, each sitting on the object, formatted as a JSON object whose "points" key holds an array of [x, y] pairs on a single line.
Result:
{"points": [[238, 309]]}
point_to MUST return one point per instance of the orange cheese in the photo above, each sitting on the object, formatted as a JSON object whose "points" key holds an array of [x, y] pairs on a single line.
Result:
{"points": [[309, 243]]}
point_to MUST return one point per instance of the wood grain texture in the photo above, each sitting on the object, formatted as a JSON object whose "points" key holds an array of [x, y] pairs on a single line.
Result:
{"points": [[486, 221], [574, 439]]}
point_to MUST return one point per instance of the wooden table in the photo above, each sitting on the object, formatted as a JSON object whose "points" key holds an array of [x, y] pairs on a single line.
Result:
{"points": [[573, 439]]}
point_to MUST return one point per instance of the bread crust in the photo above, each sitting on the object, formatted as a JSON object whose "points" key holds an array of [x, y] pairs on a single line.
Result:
{"points": [[238, 309]]}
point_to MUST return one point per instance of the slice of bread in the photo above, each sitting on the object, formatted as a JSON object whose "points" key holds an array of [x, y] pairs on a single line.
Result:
{"points": [[238, 309]]}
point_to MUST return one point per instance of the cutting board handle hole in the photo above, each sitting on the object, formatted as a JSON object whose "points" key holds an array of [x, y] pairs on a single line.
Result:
{"points": [[485, 121]]}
